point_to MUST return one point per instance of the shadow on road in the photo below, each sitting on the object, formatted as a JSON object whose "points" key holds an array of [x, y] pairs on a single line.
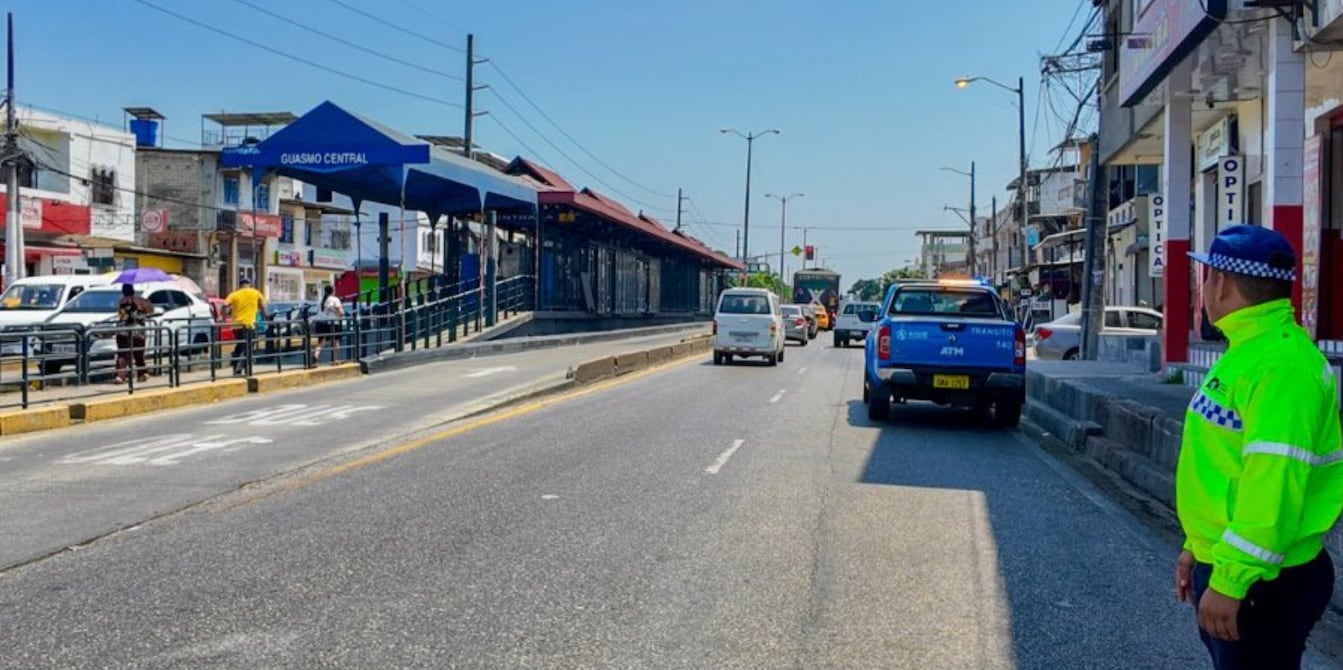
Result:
{"points": [[1056, 555]]}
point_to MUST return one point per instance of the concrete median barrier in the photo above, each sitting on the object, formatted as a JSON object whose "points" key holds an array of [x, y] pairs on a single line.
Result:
{"points": [[156, 400], [616, 366], [34, 419], [594, 370], [631, 362], [302, 378]]}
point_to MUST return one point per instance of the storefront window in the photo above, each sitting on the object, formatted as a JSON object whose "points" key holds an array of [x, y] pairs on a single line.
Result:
{"points": [[285, 287]]}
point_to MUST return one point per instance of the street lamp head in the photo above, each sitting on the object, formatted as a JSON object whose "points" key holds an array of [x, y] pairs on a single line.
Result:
{"points": [[962, 82], [725, 130], [774, 131]]}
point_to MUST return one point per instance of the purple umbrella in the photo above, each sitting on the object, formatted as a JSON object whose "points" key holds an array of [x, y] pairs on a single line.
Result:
{"points": [[141, 275]]}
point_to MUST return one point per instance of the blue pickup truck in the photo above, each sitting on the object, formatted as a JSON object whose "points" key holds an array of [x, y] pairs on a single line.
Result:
{"points": [[952, 342]]}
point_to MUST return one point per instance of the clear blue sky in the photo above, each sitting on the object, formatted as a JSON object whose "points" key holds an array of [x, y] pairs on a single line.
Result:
{"points": [[862, 90]]}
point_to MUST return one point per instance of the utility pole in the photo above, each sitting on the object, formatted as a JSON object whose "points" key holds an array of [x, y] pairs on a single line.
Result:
{"points": [[1025, 170], [469, 133], [993, 240], [14, 252], [973, 222], [679, 199], [1093, 273]]}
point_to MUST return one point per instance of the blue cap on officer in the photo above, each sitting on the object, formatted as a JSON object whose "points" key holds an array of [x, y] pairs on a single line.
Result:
{"points": [[1253, 251]]}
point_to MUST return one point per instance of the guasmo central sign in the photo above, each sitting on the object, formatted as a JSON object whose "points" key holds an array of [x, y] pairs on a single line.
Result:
{"points": [[327, 159]]}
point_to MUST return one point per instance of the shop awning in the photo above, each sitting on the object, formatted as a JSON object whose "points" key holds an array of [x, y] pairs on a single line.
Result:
{"points": [[338, 150]]}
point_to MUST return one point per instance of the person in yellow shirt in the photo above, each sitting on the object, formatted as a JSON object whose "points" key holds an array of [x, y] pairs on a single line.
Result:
{"points": [[245, 304]]}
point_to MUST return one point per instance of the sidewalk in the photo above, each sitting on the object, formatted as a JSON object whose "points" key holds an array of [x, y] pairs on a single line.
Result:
{"points": [[194, 371], [1130, 422]]}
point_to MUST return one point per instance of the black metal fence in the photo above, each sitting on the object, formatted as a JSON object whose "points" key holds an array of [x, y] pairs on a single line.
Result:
{"points": [[73, 355]]}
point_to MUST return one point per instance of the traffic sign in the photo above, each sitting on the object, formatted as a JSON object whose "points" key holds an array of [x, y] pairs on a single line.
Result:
{"points": [[797, 251]]}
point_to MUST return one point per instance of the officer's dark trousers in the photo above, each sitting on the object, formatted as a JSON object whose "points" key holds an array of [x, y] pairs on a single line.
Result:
{"points": [[1275, 618]]}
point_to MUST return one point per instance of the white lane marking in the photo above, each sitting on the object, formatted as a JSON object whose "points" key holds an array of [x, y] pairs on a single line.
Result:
{"points": [[778, 396], [490, 371], [294, 415], [160, 450], [722, 460], [802, 371], [550, 496]]}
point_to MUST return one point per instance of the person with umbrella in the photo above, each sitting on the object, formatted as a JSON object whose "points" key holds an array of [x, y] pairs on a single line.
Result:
{"points": [[133, 312], [246, 304]]}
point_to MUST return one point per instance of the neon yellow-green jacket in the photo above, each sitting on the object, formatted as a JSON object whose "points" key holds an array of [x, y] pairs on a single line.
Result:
{"points": [[1260, 477]]}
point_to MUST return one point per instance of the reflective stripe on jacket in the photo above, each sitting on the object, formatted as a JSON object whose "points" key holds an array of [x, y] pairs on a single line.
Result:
{"points": [[1260, 474]]}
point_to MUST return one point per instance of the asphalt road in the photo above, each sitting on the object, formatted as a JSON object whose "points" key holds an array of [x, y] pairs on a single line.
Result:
{"points": [[63, 488], [697, 517]]}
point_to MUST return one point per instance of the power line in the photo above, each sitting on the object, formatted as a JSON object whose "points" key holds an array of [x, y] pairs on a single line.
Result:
{"points": [[431, 16], [348, 43], [299, 59], [519, 140], [393, 26], [565, 154], [569, 137]]}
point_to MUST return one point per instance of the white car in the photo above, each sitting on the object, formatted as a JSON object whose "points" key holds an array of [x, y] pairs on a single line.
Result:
{"points": [[30, 301], [748, 322], [185, 315], [854, 321]]}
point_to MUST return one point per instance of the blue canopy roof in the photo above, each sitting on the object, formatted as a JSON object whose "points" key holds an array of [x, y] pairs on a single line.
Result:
{"points": [[335, 149]]}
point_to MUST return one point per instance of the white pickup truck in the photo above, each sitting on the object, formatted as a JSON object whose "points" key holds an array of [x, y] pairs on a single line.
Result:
{"points": [[854, 320]]}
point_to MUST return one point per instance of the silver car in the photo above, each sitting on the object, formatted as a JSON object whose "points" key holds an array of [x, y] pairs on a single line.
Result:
{"points": [[795, 328], [1061, 339]]}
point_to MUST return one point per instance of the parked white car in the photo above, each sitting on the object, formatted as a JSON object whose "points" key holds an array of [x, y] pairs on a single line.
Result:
{"points": [[186, 315], [854, 320], [1061, 339], [30, 301], [748, 322]]}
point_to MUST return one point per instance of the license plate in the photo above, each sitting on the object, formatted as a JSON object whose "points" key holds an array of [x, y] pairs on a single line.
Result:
{"points": [[743, 337], [63, 348], [961, 382]]}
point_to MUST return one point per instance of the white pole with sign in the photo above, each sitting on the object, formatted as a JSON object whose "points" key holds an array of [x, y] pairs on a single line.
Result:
{"points": [[1231, 191], [1156, 240]]}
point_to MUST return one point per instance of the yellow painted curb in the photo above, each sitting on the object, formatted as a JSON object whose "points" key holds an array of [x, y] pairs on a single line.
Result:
{"points": [[300, 378], [34, 419], [159, 399]]}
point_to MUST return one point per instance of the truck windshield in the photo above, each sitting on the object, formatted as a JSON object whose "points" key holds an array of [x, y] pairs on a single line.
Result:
{"points": [[939, 300]]}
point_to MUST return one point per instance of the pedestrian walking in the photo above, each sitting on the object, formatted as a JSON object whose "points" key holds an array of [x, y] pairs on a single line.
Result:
{"points": [[246, 304], [1260, 473], [133, 313], [328, 325]]}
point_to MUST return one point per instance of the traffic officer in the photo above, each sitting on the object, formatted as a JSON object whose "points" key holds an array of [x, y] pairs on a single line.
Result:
{"points": [[1260, 474]]}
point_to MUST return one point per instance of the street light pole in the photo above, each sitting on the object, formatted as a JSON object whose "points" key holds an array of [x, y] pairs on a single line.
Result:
{"points": [[746, 215], [783, 224], [1022, 165]]}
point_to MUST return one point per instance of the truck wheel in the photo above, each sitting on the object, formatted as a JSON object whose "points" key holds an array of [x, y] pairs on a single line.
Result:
{"points": [[781, 353], [804, 341], [838, 342], [867, 392], [717, 358], [1007, 413], [879, 406], [773, 359]]}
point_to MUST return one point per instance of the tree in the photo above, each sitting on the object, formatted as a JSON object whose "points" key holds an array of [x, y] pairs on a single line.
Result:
{"points": [[875, 289], [767, 280]]}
